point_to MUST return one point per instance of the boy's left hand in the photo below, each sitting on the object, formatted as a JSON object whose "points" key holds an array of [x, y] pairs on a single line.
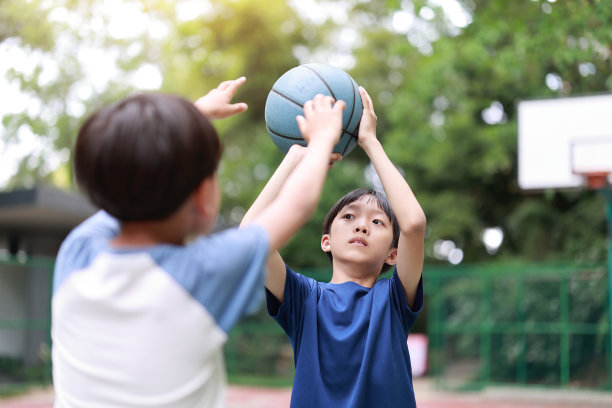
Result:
{"points": [[216, 104], [297, 152], [333, 158], [367, 126]]}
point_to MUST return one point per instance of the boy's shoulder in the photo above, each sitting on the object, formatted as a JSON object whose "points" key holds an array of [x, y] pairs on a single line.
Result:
{"points": [[251, 232], [209, 270], [232, 249], [227, 250]]}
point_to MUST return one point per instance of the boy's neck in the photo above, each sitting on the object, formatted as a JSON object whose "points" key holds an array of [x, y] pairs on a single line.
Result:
{"points": [[365, 276], [171, 230], [139, 234]]}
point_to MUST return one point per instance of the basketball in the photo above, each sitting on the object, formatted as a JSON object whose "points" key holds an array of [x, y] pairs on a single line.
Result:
{"points": [[299, 85]]}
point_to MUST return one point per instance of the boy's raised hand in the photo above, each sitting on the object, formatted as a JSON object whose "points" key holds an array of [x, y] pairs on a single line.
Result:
{"points": [[322, 119], [367, 126], [216, 104]]}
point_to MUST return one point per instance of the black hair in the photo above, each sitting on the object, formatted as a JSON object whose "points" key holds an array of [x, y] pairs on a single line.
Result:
{"points": [[383, 204], [140, 158]]}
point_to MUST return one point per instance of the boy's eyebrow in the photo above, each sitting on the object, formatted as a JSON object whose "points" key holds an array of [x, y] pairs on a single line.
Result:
{"points": [[352, 206], [355, 205]]}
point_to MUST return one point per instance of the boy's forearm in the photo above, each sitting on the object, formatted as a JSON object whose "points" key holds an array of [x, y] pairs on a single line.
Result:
{"points": [[304, 185], [407, 209], [275, 279], [300, 193], [410, 217], [274, 185]]}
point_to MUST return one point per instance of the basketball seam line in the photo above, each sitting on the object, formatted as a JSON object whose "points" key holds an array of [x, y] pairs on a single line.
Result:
{"points": [[287, 98], [282, 135], [301, 138], [322, 80], [302, 106], [351, 134], [351, 117], [334, 96]]}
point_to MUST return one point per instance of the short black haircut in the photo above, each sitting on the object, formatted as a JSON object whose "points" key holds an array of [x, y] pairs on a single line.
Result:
{"points": [[140, 158], [383, 204]]}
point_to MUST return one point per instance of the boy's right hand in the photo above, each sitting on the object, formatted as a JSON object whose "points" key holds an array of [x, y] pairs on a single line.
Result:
{"points": [[322, 119], [216, 104], [296, 152], [367, 125]]}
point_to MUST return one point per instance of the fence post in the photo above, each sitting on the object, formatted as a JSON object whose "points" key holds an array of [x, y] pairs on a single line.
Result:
{"points": [[485, 329], [521, 360], [607, 195], [434, 322], [48, 364], [565, 330]]}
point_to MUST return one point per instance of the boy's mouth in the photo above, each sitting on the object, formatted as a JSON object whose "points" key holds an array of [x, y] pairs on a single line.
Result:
{"points": [[358, 241]]}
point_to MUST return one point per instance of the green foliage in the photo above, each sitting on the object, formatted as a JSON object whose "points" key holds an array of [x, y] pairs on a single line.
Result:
{"points": [[236, 38], [430, 83], [463, 169], [14, 373], [26, 20]]}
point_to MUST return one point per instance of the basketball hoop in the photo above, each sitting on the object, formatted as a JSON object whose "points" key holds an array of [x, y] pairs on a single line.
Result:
{"points": [[596, 180], [591, 159]]}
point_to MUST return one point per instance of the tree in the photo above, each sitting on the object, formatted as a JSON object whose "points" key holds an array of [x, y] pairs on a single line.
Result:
{"points": [[435, 78], [433, 94], [59, 43], [26, 20]]}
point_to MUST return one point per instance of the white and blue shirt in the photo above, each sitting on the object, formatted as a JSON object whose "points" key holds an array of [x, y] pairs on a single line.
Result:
{"points": [[349, 342], [145, 327]]}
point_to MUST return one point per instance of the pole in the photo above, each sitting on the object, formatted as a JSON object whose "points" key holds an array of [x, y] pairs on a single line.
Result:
{"points": [[607, 194]]}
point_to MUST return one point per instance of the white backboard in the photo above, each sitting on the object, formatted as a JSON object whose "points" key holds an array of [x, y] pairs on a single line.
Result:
{"points": [[560, 137]]}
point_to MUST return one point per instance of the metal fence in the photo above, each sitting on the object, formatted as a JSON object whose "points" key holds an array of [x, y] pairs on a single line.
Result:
{"points": [[25, 320], [545, 325], [540, 325]]}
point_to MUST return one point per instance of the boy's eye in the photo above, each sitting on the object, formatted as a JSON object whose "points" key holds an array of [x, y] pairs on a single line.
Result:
{"points": [[377, 222], [348, 216]]}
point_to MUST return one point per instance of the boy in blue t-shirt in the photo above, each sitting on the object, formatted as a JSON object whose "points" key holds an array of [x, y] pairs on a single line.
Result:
{"points": [[141, 308], [349, 335]]}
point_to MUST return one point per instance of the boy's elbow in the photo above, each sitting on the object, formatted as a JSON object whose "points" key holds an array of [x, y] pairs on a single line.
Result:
{"points": [[306, 207], [416, 226]]}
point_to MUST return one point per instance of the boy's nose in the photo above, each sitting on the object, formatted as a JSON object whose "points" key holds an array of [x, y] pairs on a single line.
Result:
{"points": [[360, 228]]}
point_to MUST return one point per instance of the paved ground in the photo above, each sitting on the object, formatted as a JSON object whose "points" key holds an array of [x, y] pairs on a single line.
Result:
{"points": [[427, 396]]}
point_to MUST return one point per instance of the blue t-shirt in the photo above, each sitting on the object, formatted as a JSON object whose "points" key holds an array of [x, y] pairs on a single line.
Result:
{"points": [[349, 341], [146, 326]]}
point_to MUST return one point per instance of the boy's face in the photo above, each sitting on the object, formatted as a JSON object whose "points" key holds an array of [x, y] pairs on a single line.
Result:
{"points": [[361, 233]]}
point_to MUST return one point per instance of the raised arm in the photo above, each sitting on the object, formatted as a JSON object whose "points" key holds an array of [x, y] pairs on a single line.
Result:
{"points": [[292, 193], [410, 215], [217, 103], [275, 280]]}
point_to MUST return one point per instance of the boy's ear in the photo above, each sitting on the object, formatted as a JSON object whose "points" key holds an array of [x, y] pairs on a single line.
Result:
{"points": [[391, 257], [205, 197], [325, 244]]}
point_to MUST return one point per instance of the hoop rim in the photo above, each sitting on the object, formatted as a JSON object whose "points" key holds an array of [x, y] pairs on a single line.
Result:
{"points": [[595, 179]]}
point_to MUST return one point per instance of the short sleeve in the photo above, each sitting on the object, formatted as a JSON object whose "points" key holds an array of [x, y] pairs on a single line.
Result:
{"points": [[289, 314], [225, 271], [83, 243], [407, 314]]}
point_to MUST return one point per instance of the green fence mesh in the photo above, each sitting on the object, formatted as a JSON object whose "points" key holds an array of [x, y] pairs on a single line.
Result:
{"points": [[541, 325], [544, 325], [25, 320]]}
